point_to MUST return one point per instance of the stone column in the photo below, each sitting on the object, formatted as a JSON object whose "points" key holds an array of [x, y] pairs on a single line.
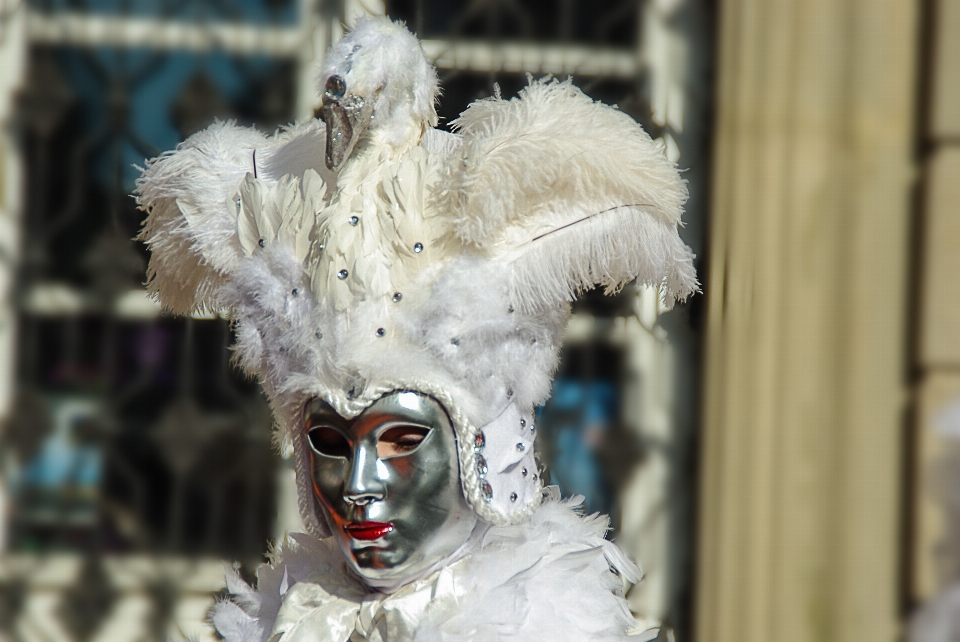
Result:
{"points": [[12, 66], [804, 383]]}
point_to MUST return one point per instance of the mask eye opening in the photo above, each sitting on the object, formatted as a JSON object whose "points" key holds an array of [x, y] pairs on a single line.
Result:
{"points": [[398, 441], [328, 441]]}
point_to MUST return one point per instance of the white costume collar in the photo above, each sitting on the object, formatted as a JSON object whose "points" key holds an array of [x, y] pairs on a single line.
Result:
{"points": [[552, 577]]}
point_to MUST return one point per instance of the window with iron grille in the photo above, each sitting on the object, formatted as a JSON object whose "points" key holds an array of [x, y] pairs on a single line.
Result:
{"points": [[131, 436]]}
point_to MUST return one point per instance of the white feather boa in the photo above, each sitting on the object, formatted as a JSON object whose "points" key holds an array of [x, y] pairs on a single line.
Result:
{"points": [[552, 577]]}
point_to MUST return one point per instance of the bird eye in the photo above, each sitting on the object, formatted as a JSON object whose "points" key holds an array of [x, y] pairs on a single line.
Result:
{"points": [[328, 441], [336, 86], [400, 440]]}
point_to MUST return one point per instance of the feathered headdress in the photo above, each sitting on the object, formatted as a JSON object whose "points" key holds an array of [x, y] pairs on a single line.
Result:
{"points": [[365, 251]]}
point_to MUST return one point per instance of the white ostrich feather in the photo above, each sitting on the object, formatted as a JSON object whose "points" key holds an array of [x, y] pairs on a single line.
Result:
{"points": [[573, 192]]}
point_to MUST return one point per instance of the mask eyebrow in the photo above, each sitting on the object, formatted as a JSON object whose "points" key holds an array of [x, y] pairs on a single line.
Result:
{"points": [[317, 412]]}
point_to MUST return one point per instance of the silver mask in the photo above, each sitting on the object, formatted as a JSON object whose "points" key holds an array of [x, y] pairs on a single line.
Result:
{"points": [[389, 485]]}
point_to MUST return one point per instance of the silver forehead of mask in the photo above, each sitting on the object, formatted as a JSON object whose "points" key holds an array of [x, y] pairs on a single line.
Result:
{"points": [[396, 516], [345, 117], [412, 407]]}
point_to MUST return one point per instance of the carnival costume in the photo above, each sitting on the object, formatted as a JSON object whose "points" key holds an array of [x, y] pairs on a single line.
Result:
{"points": [[401, 293]]}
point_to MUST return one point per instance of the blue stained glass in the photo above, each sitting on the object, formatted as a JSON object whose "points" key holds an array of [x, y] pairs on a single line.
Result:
{"points": [[150, 97], [63, 461], [576, 421]]}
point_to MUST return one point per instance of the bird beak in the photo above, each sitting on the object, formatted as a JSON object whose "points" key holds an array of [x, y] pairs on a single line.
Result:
{"points": [[345, 117]]}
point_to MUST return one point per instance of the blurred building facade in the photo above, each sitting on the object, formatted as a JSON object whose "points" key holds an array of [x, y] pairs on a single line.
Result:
{"points": [[134, 458], [934, 476]]}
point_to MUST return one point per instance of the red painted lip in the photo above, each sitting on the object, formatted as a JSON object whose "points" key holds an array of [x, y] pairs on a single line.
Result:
{"points": [[368, 531]]}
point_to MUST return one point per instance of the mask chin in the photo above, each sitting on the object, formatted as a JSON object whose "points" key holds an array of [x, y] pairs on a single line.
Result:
{"points": [[447, 545]]}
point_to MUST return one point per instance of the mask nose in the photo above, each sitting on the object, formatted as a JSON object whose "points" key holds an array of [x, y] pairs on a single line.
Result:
{"points": [[364, 485]]}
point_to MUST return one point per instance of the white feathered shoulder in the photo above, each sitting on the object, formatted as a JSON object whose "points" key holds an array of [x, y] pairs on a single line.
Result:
{"points": [[553, 577]]}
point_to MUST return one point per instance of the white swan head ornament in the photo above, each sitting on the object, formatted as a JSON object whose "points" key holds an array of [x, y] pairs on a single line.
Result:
{"points": [[376, 77]]}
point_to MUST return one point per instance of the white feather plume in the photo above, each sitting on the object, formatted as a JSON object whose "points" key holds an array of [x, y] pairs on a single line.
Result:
{"points": [[431, 261], [573, 192]]}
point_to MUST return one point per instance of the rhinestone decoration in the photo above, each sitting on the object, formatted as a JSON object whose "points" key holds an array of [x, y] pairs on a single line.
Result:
{"points": [[342, 274], [396, 297], [319, 335], [487, 491], [262, 242], [418, 247], [520, 447], [320, 246], [532, 427], [481, 466], [523, 422], [455, 341], [513, 497], [381, 332], [295, 292], [354, 220], [509, 392], [510, 309], [479, 441], [523, 471], [336, 87]]}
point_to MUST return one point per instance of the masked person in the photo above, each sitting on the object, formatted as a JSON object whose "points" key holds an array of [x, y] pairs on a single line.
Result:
{"points": [[401, 293]]}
